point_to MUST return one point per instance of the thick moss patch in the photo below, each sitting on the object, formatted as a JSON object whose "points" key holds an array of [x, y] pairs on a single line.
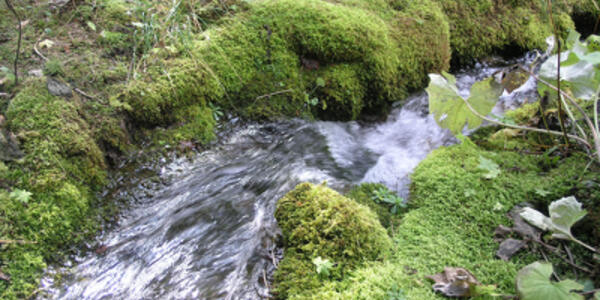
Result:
{"points": [[453, 214], [318, 222], [480, 28], [62, 168], [275, 58]]}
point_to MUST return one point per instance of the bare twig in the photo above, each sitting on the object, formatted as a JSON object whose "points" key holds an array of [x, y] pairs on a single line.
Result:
{"points": [[556, 252], [570, 256], [595, 133], [80, 92], [547, 260], [38, 52], [12, 9], [527, 128], [273, 94], [561, 116], [16, 242]]}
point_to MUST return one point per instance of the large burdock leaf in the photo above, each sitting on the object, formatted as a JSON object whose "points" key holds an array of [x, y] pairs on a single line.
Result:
{"points": [[563, 214], [450, 110], [578, 72], [533, 283]]}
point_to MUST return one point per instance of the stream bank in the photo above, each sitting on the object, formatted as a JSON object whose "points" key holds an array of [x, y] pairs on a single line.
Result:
{"points": [[69, 144]]}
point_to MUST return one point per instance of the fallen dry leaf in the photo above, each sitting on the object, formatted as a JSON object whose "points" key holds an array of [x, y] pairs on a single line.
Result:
{"points": [[4, 276], [24, 23], [46, 43], [454, 282]]}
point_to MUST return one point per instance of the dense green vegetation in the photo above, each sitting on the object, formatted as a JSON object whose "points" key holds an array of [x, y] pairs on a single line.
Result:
{"points": [[453, 212], [157, 73]]}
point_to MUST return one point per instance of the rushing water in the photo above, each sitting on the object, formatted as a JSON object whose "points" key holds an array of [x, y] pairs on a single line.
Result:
{"points": [[204, 228]]}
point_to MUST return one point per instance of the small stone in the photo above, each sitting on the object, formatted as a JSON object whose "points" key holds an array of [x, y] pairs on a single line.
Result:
{"points": [[36, 73], [59, 88], [510, 247]]}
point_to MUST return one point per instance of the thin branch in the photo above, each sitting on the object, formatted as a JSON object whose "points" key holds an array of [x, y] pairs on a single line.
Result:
{"points": [[558, 133], [571, 260], [273, 94], [595, 133], [12, 9], [38, 52], [561, 116], [80, 92], [556, 252], [21, 242]]}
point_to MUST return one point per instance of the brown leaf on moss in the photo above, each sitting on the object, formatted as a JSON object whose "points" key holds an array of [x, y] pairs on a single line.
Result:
{"points": [[454, 282], [4, 276]]}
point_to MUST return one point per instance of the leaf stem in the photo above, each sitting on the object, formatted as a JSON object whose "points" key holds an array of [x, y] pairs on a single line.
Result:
{"points": [[525, 127]]}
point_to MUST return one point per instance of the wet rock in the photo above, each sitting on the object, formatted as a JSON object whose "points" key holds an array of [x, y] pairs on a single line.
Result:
{"points": [[509, 248], [9, 147], [59, 88]]}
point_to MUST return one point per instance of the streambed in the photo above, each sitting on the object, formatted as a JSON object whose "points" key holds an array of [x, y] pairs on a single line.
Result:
{"points": [[203, 228]]}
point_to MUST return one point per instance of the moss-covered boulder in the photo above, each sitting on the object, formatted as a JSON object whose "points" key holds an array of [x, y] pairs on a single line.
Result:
{"points": [[453, 213], [481, 28], [318, 222], [52, 187], [293, 58]]}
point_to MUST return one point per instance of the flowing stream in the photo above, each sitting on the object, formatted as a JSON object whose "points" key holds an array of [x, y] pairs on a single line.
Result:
{"points": [[203, 228]]}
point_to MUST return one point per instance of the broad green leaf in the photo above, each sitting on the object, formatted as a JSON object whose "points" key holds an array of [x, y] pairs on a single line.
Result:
{"points": [[320, 82], [564, 213], [578, 72], [597, 296], [493, 170], [20, 195], [323, 266], [536, 218], [449, 108], [533, 283], [91, 25]]}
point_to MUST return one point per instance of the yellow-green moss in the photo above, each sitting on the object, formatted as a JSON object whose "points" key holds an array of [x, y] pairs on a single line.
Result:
{"points": [[453, 213], [256, 63], [481, 28], [62, 168], [364, 194], [317, 221]]}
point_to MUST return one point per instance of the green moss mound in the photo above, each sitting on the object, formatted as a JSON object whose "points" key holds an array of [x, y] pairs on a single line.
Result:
{"points": [[454, 211], [276, 57], [364, 194], [318, 222], [62, 169], [481, 28]]}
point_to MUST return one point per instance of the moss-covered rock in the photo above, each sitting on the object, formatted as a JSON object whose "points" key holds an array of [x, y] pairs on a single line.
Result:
{"points": [[266, 62], [318, 222], [454, 211], [62, 169], [481, 28]]}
